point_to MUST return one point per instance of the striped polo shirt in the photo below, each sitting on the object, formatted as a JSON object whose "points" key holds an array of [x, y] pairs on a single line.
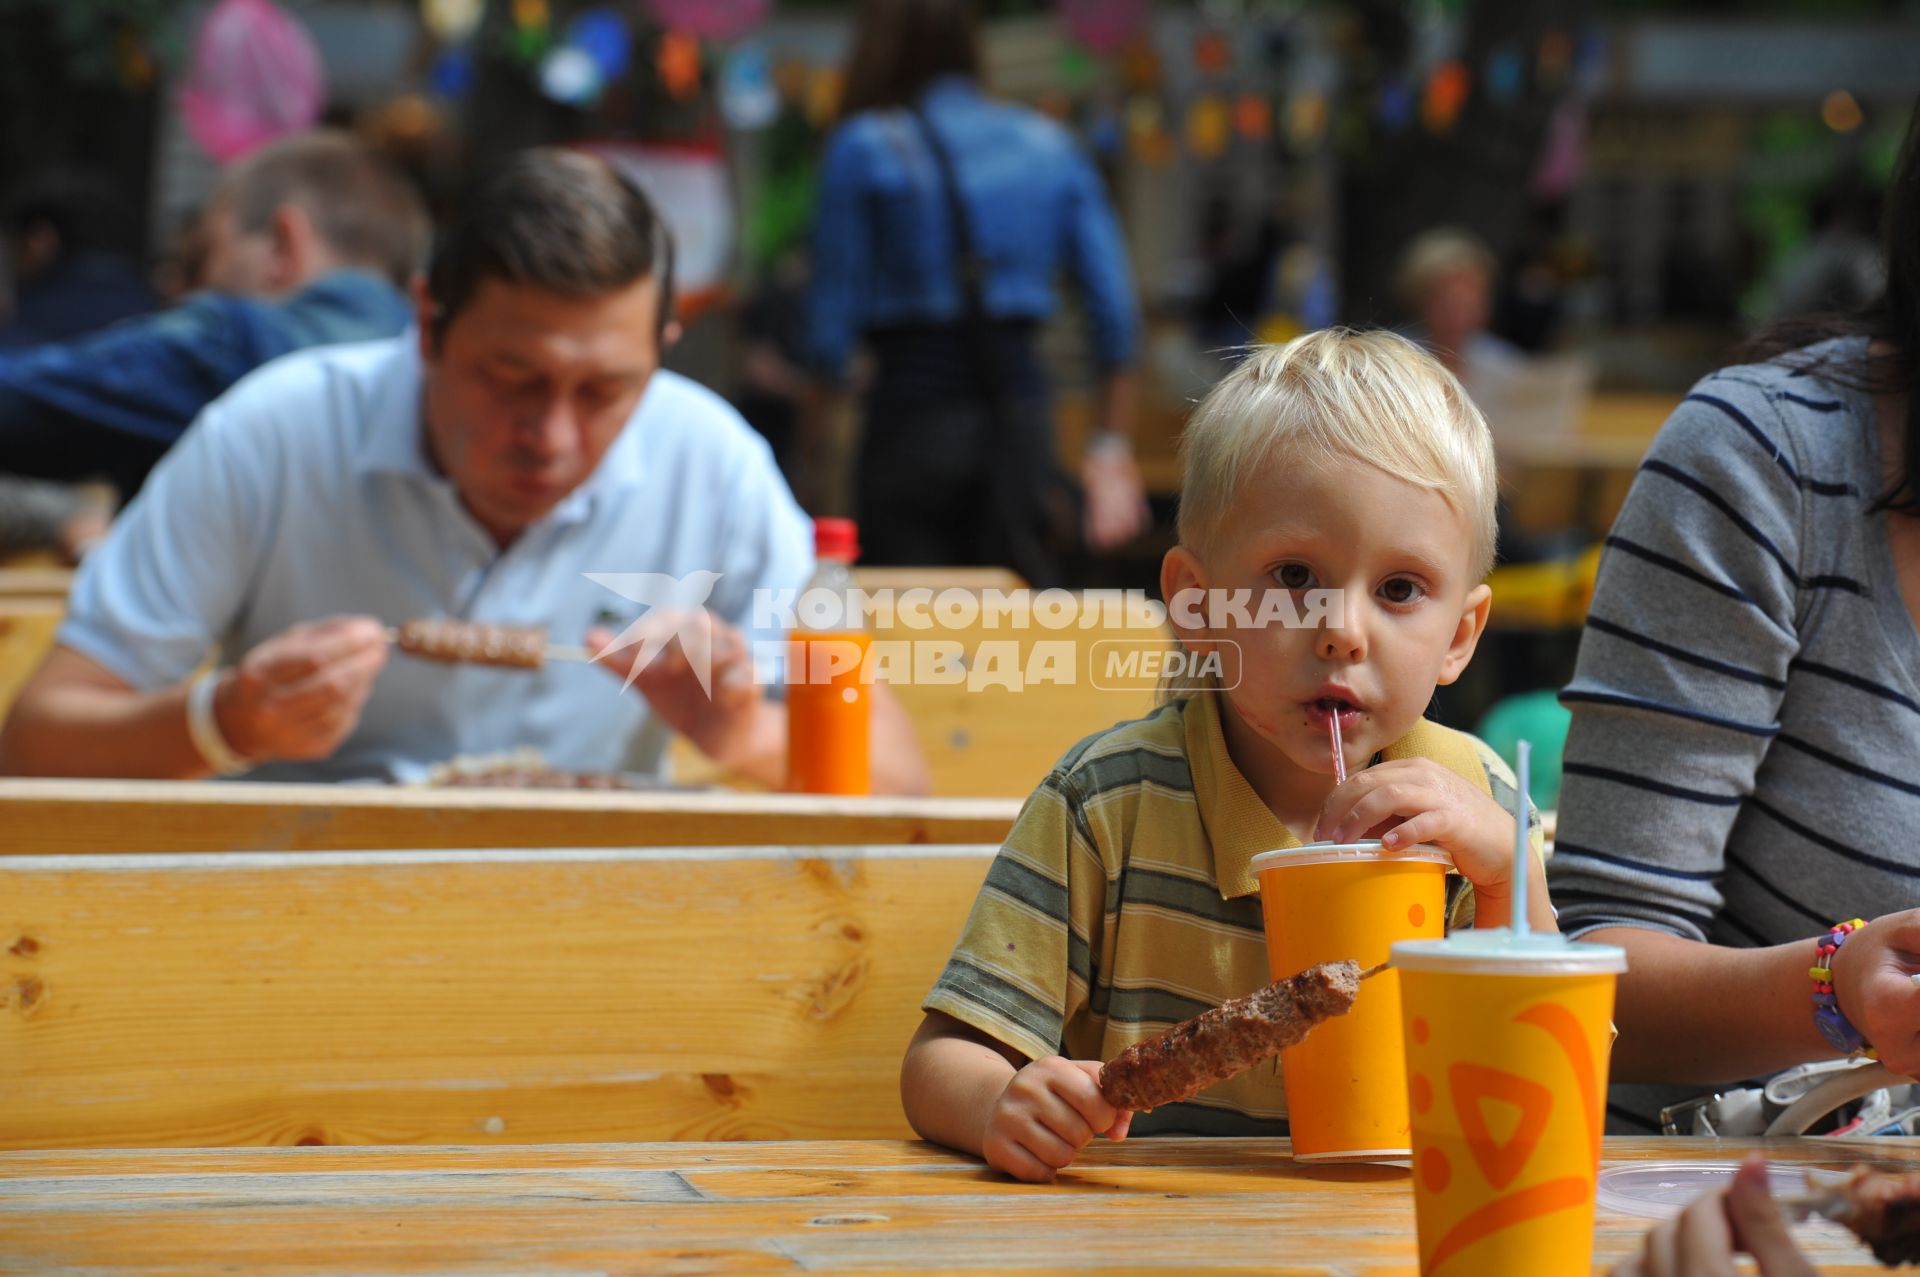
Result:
{"points": [[1124, 901], [1744, 761]]}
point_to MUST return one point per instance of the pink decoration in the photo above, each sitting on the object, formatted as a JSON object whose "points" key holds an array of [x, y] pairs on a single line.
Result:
{"points": [[255, 76], [711, 19], [1105, 26]]}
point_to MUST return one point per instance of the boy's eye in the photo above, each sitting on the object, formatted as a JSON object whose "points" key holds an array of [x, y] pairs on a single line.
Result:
{"points": [[1293, 576], [1401, 590]]}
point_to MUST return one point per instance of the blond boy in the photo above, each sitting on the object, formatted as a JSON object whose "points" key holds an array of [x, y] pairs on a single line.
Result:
{"points": [[1122, 900]]}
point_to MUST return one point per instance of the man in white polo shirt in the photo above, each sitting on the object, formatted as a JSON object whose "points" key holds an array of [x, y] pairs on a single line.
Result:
{"points": [[477, 469]]}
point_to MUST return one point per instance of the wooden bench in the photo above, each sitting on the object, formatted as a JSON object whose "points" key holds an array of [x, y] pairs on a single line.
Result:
{"points": [[40, 817], [468, 997], [35, 583], [27, 625]]}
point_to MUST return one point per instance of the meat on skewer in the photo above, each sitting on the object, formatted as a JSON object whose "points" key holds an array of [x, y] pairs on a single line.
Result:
{"points": [[1228, 1039], [474, 643], [1882, 1209]]}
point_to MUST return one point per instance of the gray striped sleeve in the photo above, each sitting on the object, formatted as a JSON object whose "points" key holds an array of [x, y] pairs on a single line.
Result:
{"points": [[1683, 666]]}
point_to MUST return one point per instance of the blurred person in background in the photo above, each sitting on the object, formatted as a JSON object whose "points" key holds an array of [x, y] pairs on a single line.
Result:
{"points": [[1446, 281], [479, 467], [1840, 267], [307, 242], [956, 463], [68, 278]]}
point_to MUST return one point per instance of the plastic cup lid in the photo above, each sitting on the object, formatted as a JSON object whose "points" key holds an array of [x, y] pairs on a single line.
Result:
{"points": [[1333, 853], [1657, 1190], [1499, 951]]}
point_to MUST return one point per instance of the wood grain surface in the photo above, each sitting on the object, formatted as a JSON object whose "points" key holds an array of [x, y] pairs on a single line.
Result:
{"points": [[57, 817], [467, 996], [1144, 1206]]}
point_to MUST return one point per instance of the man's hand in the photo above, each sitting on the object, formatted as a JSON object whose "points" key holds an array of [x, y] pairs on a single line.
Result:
{"points": [[722, 724], [300, 693], [1116, 500], [1049, 1112]]}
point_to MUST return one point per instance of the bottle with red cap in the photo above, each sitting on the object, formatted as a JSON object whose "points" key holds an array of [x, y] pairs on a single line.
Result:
{"points": [[829, 696]]}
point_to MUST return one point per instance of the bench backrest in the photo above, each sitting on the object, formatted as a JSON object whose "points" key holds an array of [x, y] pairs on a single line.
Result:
{"points": [[458, 997]]}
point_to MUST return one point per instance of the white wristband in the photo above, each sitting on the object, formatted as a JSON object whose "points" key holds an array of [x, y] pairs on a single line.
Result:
{"points": [[205, 731], [1108, 444]]}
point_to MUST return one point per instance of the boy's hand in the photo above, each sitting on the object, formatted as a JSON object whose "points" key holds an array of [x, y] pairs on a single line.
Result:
{"points": [[1049, 1112], [1416, 800]]}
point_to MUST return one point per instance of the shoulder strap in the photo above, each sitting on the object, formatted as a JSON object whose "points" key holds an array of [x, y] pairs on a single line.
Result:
{"points": [[968, 264]]}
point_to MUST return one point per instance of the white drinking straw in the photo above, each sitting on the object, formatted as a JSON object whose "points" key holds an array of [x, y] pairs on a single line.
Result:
{"points": [[1520, 865]]}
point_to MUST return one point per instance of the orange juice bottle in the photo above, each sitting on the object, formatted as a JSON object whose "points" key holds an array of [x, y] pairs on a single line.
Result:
{"points": [[829, 703]]}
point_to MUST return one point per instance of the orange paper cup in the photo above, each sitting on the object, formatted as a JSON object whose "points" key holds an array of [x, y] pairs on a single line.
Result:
{"points": [[1346, 1083], [1507, 1041]]}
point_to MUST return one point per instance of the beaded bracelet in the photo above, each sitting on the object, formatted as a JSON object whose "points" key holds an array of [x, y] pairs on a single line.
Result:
{"points": [[1827, 1015]]}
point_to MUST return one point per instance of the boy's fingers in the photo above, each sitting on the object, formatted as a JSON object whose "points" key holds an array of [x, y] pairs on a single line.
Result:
{"points": [[1083, 1092], [1011, 1159], [1428, 826], [1049, 1146], [1382, 803], [1121, 1125]]}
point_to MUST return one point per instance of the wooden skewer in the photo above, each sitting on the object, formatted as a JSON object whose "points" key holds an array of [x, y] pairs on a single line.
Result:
{"points": [[1371, 972], [554, 651]]}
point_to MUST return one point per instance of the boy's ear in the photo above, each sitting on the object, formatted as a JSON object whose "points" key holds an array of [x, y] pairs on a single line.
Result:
{"points": [[1466, 635], [1182, 570]]}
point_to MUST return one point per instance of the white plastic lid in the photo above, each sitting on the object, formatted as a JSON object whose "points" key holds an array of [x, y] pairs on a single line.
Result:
{"points": [[1658, 1190], [1499, 951], [1333, 853]]}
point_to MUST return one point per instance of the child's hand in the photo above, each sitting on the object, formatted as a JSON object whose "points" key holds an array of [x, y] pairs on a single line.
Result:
{"points": [[1047, 1114], [1416, 800]]}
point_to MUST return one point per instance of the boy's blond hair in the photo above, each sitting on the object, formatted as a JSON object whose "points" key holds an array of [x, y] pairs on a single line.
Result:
{"points": [[1339, 395]]}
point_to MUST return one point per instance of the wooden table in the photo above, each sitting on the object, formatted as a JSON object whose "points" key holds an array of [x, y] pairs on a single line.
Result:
{"points": [[1145, 1206], [40, 817]]}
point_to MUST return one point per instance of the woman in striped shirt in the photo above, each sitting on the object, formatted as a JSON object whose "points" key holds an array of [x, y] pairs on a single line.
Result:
{"points": [[1743, 770]]}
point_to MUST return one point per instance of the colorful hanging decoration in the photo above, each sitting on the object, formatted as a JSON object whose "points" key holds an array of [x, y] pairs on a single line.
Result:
{"points": [[711, 19], [133, 62], [1307, 119], [255, 76], [1253, 117], [748, 98], [1212, 55], [569, 75], [1395, 109], [451, 21], [824, 91], [1076, 68], [678, 61], [1590, 62], [1147, 137], [453, 72], [1445, 96], [1105, 26], [1209, 127], [1554, 60], [603, 35], [1506, 73], [532, 30], [1140, 69]]}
